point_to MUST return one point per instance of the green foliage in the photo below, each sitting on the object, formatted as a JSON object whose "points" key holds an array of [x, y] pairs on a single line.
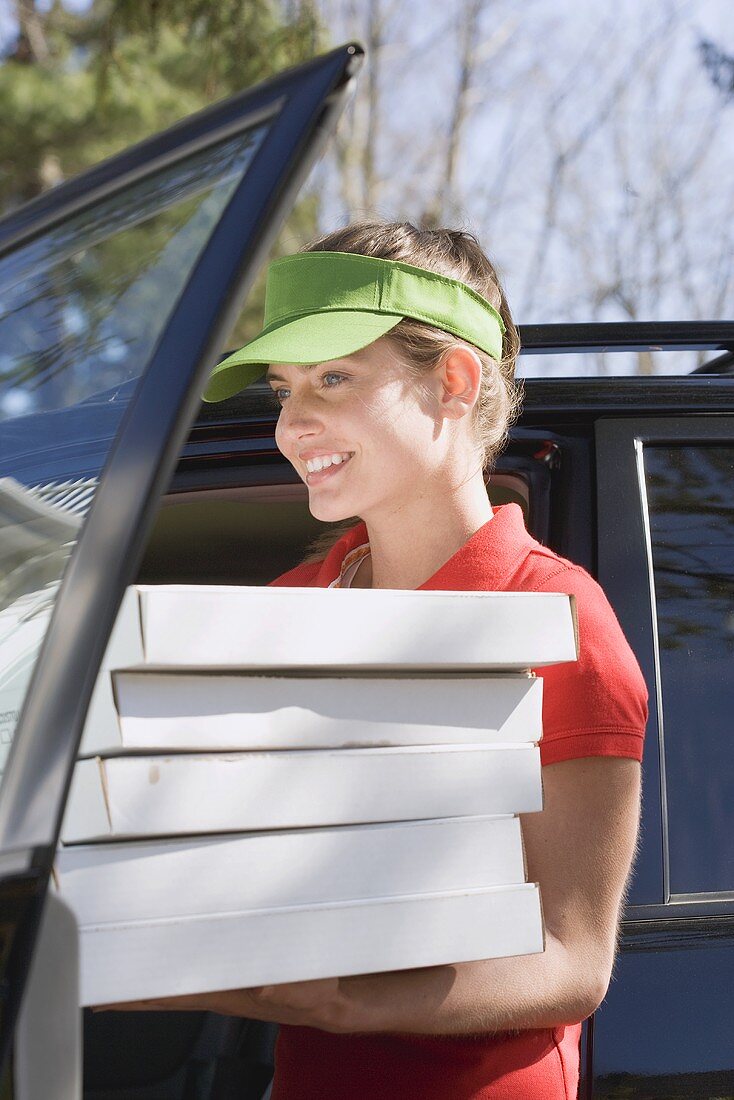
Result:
{"points": [[123, 70]]}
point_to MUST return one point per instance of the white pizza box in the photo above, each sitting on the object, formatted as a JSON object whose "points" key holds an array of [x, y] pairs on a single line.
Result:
{"points": [[255, 627], [188, 794], [228, 627], [140, 960], [190, 711], [155, 880]]}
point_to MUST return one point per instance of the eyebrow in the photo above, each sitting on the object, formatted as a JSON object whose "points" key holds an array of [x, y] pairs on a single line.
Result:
{"points": [[272, 376]]}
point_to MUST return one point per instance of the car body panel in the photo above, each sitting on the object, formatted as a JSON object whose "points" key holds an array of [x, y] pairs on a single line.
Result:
{"points": [[664, 1029]]}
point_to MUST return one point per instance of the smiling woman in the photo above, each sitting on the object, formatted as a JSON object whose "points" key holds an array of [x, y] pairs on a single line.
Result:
{"points": [[355, 328], [392, 354]]}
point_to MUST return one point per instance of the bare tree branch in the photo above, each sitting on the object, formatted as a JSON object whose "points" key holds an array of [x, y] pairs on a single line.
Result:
{"points": [[32, 35], [571, 149]]}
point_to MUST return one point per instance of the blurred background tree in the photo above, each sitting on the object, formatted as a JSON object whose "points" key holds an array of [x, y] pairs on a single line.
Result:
{"points": [[78, 85]]}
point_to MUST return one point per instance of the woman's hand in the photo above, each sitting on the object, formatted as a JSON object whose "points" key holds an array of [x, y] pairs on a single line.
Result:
{"points": [[309, 1004]]}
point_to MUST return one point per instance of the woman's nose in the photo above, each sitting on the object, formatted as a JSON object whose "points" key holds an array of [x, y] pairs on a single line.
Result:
{"points": [[299, 416]]}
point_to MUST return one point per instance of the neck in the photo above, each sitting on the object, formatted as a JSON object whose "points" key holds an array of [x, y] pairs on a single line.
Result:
{"points": [[409, 546]]}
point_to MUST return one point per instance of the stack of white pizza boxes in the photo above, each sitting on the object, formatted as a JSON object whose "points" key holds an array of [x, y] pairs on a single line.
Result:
{"points": [[279, 784]]}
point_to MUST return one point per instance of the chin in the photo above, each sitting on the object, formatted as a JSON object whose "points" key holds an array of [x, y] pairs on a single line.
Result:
{"points": [[329, 511]]}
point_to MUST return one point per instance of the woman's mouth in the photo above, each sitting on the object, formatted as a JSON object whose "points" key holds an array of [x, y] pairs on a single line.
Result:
{"points": [[326, 466]]}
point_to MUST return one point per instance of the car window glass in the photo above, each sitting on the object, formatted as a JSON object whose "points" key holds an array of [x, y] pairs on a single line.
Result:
{"points": [[82, 307], [690, 494]]}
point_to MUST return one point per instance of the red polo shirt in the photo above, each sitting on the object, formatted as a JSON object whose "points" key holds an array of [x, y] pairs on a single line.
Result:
{"points": [[596, 706]]}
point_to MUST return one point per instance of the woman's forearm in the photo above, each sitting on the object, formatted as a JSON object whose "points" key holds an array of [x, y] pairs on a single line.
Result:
{"points": [[529, 991]]}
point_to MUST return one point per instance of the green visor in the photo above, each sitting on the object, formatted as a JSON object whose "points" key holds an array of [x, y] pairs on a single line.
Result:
{"points": [[326, 305]]}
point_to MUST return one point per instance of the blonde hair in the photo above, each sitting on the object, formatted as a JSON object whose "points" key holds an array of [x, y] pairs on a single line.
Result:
{"points": [[458, 255]]}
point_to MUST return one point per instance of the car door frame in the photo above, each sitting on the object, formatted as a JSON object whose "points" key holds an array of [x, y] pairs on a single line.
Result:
{"points": [[625, 570], [302, 106]]}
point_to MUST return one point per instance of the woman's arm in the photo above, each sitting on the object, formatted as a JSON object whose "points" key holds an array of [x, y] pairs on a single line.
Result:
{"points": [[579, 849]]}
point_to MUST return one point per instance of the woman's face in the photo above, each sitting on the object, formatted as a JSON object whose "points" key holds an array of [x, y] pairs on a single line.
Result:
{"points": [[375, 425]]}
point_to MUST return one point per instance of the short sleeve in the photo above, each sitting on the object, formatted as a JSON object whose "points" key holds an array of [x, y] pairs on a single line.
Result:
{"points": [[598, 705]]}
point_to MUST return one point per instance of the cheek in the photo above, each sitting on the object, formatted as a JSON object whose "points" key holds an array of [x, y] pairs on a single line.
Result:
{"points": [[407, 424], [401, 446], [280, 439]]}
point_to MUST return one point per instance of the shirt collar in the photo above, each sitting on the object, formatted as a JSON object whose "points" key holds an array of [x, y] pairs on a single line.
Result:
{"points": [[490, 557], [486, 561]]}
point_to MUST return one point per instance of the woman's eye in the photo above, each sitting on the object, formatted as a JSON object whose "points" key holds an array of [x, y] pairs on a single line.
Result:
{"points": [[329, 380]]}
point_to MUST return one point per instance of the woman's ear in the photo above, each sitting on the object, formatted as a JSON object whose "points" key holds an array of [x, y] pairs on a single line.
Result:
{"points": [[460, 376]]}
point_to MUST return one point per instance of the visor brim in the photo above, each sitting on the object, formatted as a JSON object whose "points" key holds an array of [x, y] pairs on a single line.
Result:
{"points": [[313, 338]]}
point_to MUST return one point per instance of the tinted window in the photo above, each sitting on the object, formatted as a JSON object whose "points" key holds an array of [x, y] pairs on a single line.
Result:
{"points": [[82, 307], [690, 494]]}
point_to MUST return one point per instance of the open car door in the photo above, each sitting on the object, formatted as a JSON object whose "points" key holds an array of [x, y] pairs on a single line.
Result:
{"points": [[116, 292]]}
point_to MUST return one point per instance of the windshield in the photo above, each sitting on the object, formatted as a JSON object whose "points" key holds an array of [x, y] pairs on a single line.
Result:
{"points": [[82, 307]]}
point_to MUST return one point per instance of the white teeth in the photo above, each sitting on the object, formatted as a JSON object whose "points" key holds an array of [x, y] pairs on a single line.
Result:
{"points": [[322, 462]]}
